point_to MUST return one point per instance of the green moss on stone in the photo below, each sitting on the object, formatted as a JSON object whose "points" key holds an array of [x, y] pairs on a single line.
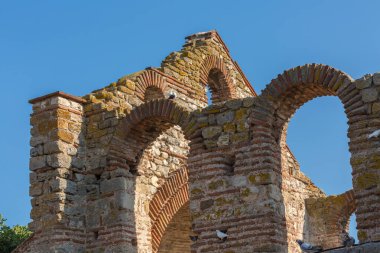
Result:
{"points": [[222, 201], [262, 178], [245, 192], [362, 235], [197, 191], [367, 180], [216, 184]]}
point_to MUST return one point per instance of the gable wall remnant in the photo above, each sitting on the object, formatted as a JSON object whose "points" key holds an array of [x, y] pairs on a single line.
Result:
{"points": [[131, 166]]}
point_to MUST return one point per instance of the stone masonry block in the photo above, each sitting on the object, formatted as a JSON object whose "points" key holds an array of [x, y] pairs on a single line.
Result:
{"points": [[210, 132], [37, 162], [115, 184], [369, 95]]}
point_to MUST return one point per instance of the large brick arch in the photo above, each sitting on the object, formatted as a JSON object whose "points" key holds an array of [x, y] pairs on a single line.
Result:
{"points": [[169, 198], [133, 136], [294, 87], [149, 79], [213, 68], [290, 90]]}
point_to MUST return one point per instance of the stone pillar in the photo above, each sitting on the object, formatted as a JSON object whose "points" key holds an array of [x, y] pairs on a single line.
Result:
{"points": [[233, 183], [365, 159], [56, 172]]}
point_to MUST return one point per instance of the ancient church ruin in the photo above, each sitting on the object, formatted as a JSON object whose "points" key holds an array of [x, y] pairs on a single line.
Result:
{"points": [[146, 162]]}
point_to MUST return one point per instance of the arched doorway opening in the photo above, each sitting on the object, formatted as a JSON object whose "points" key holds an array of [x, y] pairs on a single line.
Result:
{"points": [[151, 141], [286, 94], [316, 134]]}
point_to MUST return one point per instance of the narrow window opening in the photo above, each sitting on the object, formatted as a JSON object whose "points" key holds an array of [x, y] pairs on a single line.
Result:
{"points": [[209, 95], [96, 235], [352, 227], [216, 88], [230, 165]]}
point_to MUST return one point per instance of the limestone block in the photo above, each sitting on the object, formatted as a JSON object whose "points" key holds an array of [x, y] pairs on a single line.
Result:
{"points": [[63, 185], [376, 107], [59, 160], [124, 200], [212, 131], [233, 104], [248, 102], [37, 140], [37, 151], [35, 189], [115, 184], [37, 162], [364, 82], [225, 117], [376, 78], [369, 95], [223, 140]]}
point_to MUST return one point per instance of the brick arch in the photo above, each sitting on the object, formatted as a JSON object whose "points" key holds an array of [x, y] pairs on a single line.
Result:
{"points": [[149, 79], [169, 198], [222, 88], [342, 215], [287, 93], [294, 87], [331, 217], [143, 125]]}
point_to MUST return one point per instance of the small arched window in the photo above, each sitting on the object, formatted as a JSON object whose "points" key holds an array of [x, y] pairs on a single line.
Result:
{"points": [[153, 92]]}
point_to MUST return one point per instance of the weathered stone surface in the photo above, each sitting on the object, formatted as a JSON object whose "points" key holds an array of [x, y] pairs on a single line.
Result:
{"points": [[124, 200], [59, 161], [223, 140], [225, 117], [233, 104], [125, 169], [210, 132], [37, 162], [369, 95], [115, 184], [364, 82], [376, 78], [376, 107]]}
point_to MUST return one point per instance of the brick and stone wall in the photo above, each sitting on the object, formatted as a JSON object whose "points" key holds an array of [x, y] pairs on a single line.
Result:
{"points": [[126, 169]]}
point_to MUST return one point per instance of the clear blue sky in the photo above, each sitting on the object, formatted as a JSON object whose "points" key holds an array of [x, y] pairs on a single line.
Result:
{"points": [[79, 46]]}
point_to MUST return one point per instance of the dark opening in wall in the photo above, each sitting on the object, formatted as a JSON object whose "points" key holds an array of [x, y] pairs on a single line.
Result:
{"points": [[229, 163], [216, 89]]}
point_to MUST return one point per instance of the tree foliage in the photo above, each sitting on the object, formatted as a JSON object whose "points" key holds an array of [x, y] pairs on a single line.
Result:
{"points": [[10, 238]]}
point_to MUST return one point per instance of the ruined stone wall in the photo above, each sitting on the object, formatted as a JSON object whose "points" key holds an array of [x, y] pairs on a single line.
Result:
{"points": [[55, 173], [297, 188], [328, 217], [229, 187], [111, 171], [202, 53]]}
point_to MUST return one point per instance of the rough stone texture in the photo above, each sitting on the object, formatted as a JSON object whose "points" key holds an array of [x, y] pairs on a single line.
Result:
{"points": [[117, 170]]}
